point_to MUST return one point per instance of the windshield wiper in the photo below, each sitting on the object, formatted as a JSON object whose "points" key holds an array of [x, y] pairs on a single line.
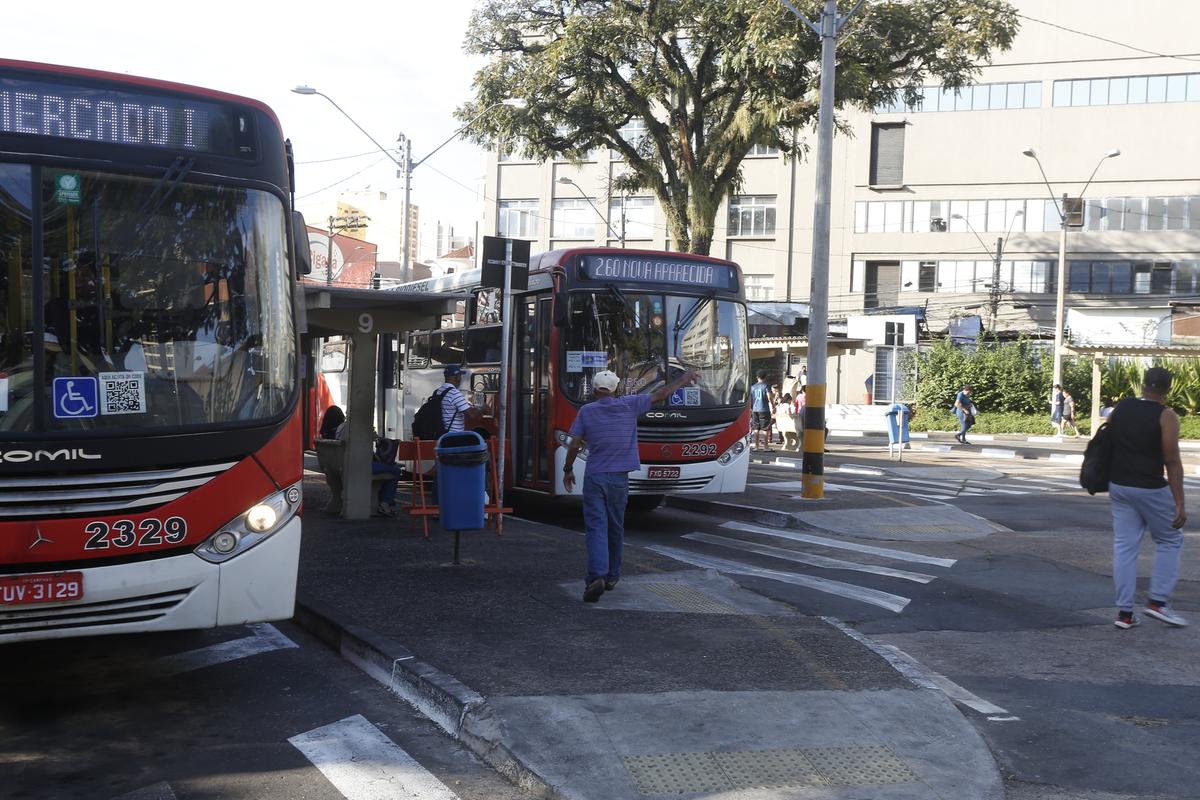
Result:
{"points": [[619, 295], [680, 324]]}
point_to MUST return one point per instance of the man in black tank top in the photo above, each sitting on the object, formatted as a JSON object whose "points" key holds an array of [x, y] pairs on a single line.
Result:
{"points": [[1145, 441]]}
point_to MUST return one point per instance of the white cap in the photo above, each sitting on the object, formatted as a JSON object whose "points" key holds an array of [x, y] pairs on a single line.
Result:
{"points": [[606, 379]]}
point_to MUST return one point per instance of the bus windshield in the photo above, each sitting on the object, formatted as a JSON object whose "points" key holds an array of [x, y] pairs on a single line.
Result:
{"points": [[648, 339], [160, 304]]}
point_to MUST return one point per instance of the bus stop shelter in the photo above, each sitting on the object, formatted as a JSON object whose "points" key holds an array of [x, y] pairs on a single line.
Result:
{"points": [[1100, 353], [362, 316]]}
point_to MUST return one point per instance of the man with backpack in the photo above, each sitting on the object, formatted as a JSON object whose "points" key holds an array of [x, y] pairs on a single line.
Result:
{"points": [[446, 409]]}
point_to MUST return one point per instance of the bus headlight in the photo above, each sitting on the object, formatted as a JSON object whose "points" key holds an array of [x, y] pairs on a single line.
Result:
{"points": [[737, 449], [251, 527], [564, 440]]}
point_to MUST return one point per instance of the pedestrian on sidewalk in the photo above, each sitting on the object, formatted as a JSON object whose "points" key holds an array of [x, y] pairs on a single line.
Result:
{"points": [[785, 421], [760, 411], [776, 399], [1068, 414], [965, 410], [387, 490], [1145, 442], [608, 425], [1056, 409]]}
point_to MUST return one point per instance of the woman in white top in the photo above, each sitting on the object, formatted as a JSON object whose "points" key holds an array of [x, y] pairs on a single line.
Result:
{"points": [[785, 423]]}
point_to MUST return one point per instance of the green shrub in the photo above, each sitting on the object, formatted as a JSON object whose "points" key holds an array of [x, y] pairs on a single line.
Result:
{"points": [[987, 422]]}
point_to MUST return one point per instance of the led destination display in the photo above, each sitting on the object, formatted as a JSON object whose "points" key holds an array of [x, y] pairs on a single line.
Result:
{"points": [[91, 114], [658, 271]]}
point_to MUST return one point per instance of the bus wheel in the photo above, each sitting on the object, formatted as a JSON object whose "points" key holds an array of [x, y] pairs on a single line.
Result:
{"points": [[642, 503]]}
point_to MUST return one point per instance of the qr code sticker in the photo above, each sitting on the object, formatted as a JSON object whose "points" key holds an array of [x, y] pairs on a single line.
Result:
{"points": [[122, 393]]}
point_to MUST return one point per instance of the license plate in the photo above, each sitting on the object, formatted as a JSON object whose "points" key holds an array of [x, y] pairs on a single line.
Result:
{"points": [[662, 472], [51, 587]]}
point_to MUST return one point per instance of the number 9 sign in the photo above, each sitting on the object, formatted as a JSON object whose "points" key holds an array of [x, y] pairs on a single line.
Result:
{"points": [[366, 323]]}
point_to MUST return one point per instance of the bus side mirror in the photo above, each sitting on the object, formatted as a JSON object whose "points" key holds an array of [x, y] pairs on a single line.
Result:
{"points": [[300, 247]]}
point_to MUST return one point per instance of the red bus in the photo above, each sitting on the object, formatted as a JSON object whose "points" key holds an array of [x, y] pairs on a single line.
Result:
{"points": [[646, 315], [150, 435]]}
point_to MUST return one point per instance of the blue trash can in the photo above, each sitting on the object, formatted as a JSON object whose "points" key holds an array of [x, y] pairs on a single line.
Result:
{"points": [[462, 471], [897, 425]]}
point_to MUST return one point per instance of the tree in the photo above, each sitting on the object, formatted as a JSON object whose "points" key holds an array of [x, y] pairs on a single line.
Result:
{"points": [[708, 79]]}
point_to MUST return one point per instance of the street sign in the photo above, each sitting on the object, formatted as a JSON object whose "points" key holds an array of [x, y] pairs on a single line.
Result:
{"points": [[495, 251]]}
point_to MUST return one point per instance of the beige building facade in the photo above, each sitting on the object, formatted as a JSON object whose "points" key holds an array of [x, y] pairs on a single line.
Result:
{"points": [[921, 194]]}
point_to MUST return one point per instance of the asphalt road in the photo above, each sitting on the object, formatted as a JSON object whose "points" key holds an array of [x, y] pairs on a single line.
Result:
{"points": [[244, 712]]}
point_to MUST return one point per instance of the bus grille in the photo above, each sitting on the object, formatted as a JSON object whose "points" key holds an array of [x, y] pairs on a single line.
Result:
{"points": [[669, 484], [682, 433], [91, 615], [108, 492]]}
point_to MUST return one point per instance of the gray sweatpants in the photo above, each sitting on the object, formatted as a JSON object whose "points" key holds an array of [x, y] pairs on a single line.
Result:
{"points": [[1135, 511]]}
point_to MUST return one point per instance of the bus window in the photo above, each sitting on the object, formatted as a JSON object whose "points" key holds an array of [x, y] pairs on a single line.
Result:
{"points": [[483, 345], [456, 320], [418, 351], [486, 307], [446, 348], [333, 357]]}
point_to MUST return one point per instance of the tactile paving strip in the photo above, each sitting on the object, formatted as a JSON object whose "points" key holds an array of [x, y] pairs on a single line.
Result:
{"points": [[860, 766], [690, 773], [685, 598], [768, 769], [676, 773]]}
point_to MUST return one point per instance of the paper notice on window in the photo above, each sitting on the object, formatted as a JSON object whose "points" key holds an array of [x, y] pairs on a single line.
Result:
{"points": [[574, 361], [3, 392], [691, 395], [123, 393], [596, 359]]}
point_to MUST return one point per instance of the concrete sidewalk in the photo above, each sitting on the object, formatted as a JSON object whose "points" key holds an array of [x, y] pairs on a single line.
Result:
{"points": [[679, 683]]}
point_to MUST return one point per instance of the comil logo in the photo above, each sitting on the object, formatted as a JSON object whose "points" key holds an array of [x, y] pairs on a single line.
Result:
{"points": [[37, 456]]}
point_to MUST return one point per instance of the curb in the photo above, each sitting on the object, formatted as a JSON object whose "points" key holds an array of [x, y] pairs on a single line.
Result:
{"points": [[443, 699]]}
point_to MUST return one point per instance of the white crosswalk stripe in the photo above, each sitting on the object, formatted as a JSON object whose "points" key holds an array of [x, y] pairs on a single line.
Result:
{"points": [[364, 764]]}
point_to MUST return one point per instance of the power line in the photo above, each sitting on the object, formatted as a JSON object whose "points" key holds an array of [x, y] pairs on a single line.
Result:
{"points": [[343, 180], [1107, 40], [337, 158]]}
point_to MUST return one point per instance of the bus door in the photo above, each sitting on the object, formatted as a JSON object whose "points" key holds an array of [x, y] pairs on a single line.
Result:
{"points": [[531, 389]]}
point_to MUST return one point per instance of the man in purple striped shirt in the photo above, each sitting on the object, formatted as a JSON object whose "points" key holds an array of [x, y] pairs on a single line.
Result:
{"points": [[608, 425]]}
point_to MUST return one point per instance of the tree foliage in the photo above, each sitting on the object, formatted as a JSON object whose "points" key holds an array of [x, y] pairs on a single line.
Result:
{"points": [[709, 79]]}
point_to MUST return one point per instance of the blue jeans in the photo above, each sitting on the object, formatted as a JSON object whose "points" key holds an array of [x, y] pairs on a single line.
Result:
{"points": [[962, 423], [387, 492], [604, 497], [1134, 511]]}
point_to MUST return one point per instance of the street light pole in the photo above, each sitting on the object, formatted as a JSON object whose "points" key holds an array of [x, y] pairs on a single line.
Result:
{"points": [[407, 166], [994, 289], [1060, 298], [604, 219]]}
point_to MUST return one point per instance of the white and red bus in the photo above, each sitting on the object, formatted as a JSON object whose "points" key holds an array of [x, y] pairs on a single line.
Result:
{"points": [[150, 435], [646, 315]]}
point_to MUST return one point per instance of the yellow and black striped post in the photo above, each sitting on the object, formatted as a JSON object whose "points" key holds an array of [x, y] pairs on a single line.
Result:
{"points": [[813, 460]]}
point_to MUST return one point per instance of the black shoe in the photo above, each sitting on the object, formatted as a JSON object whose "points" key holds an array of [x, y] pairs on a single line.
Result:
{"points": [[958, 438], [610, 584], [964, 441], [593, 591]]}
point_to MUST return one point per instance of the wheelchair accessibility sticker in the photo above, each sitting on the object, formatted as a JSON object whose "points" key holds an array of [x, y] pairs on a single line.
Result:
{"points": [[75, 398]]}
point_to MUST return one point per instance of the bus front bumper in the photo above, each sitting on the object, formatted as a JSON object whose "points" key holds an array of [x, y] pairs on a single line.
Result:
{"points": [[175, 593], [700, 477]]}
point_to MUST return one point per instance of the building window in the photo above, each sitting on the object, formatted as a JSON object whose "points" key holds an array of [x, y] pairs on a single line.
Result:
{"points": [[518, 219], [573, 218], [763, 150], [632, 217], [632, 133], [752, 215], [1178, 88], [887, 155], [759, 287], [982, 97]]}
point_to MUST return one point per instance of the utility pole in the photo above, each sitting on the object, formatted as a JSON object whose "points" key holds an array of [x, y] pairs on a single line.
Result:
{"points": [[994, 293], [813, 461], [405, 168]]}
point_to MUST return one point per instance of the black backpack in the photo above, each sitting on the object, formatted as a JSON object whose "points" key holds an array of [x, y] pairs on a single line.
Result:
{"points": [[427, 422], [1097, 461]]}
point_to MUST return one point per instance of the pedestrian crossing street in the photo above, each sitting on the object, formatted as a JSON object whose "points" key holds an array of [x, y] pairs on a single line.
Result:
{"points": [[760, 551]]}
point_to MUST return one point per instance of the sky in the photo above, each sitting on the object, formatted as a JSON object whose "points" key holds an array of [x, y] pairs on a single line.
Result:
{"points": [[393, 65]]}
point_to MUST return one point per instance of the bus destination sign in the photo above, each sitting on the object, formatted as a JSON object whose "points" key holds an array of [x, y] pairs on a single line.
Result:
{"points": [[658, 271], [93, 114]]}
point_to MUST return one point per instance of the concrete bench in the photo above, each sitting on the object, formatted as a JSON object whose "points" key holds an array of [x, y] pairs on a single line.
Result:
{"points": [[330, 454]]}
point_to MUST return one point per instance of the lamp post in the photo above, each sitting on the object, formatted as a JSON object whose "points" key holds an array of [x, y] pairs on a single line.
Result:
{"points": [[604, 219], [406, 166], [1061, 292], [994, 289]]}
